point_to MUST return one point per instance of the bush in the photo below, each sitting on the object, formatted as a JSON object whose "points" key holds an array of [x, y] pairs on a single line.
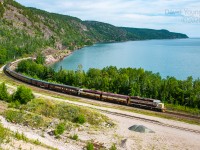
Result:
{"points": [[90, 146], [59, 129], [74, 137], [23, 95], [80, 119]]}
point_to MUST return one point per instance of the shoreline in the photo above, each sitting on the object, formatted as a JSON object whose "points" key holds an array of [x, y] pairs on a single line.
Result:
{"points": [[59, 55]]}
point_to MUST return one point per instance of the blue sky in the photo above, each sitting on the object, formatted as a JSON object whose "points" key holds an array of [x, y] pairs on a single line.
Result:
{"points": [[175, 15]]}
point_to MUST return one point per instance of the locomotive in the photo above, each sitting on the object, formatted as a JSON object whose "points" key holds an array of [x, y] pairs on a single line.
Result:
{"points": [[134, 101]]}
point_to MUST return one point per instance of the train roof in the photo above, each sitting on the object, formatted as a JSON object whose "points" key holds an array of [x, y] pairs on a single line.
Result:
{"points": [[115, 95], [66, 86]]}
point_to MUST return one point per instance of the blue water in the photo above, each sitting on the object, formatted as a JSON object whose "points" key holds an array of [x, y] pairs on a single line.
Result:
{"points": [[179, 58]]}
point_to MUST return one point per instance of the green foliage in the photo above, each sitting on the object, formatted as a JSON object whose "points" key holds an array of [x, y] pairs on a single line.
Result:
{"points": [[19, 136], [40, 59], [90, 146], [60, 128], [3, 92], [3, 55], [80, 119], [74, 137], [25, 118], [63, 111], [4, 133], [113, 147], [185, 109], [23, 95], [2, 10], [15, 104]]}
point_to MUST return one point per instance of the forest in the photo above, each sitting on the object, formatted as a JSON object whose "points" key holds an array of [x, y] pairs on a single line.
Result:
{"points": [[128, 81]]}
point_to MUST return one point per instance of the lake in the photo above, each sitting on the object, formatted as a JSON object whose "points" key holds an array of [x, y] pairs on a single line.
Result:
{"points": [[179, 57]]}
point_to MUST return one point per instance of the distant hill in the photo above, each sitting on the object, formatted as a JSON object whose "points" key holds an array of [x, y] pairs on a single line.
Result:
{"points": [[147, 34], [24, 31]]}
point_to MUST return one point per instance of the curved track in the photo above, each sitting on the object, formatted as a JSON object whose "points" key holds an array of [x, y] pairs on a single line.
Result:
{"points": [[174, 114]]}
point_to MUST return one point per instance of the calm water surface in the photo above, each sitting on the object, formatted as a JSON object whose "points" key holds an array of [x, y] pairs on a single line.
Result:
{"points": [[179, 58]]}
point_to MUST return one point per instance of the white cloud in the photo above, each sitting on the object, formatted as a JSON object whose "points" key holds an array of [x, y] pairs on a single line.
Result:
{"points": [[132, 13]]}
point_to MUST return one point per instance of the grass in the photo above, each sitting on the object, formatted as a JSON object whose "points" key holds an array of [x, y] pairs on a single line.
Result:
{"points": [[4, 134], [64, 111], [183, 109], [26, 118]]}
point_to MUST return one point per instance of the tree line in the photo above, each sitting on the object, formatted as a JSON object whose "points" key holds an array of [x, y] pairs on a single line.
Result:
{"points": [[128, 81]]}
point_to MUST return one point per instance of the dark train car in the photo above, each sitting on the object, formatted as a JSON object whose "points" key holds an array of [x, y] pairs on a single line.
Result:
{"points": [[94, 94], [64, 88], [18, 76], [40, 83], [118, 98]]}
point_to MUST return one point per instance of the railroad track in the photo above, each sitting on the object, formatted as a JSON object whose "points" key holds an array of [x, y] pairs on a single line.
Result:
{"points": [[168, 113], [182, 115], [177, 115], [150, 121], [117, 106]]}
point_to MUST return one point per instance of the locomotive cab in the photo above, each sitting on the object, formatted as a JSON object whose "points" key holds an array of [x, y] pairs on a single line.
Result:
{"points": [[80, 91], [159, 105]]}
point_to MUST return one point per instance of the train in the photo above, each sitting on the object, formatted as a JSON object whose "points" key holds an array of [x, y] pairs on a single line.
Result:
{"points": [[134, 101]]}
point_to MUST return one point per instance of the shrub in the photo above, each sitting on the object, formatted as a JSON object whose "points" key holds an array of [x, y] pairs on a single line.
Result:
{"points": [[23, 95], [59, 129], [80, 119], [90, 146], [74, 137], [113, 147]]}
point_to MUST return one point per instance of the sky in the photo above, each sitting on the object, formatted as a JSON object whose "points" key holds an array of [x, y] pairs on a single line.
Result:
{"points": [[174, 15]]}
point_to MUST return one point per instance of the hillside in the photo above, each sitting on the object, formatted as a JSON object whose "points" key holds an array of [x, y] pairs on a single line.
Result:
{"points": [[24, 31]]}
